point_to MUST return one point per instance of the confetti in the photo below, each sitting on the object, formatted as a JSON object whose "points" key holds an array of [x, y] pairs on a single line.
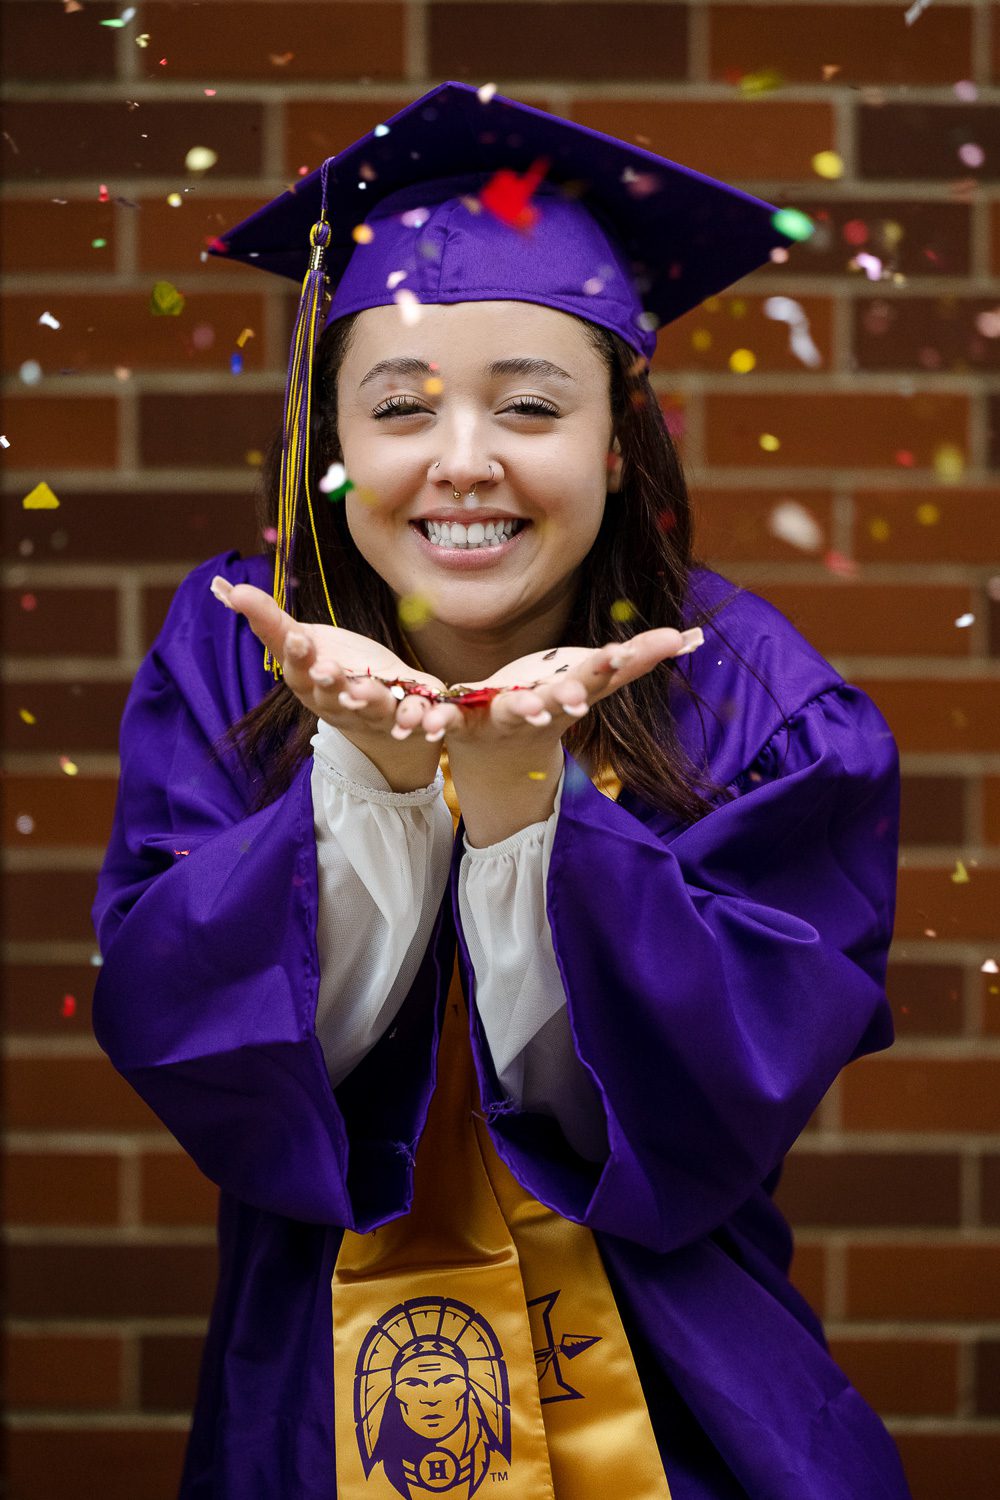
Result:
{"points": [[362, 234], [537, 776], [949, 462], [166, 301], [200, 158], [485, 92], [787, 310], [30, 372], [381, 130], [870, 264], [828, 164], [24, 823], [175, 200], [69, 6], [103, 196], [844, 567], [69, 766], [433, 386], [769, 442], [209, 93], [792, 223], [415, 218], [928, 514], [960, 875], [40, 498], [507, 196], [236, 364], [764, 82], [964, 621], [742, 361], [29, 602], [48, 321], [142, 40], [989, 967], [622, 610], [4, 441], [254, 457], [971, 155], [916, 9], [27, 716], [966, 90], [414, 611], [69, 1005], [795, 524], [247, 333], [98, 244], [280, 59], [988, 324], [879, 529], [409, 307]]}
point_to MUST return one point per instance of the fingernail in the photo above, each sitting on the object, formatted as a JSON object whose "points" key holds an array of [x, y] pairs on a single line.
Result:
{"points": [[539, 719], [222, 588], [320, 678], [434, 736], [621, 657], [296, 645], [692, 640], [400, 732], [346, 701], [576, 710]]}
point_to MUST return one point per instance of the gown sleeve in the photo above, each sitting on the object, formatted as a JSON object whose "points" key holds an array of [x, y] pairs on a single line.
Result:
{"points": [[206, 918], [718, 975]]}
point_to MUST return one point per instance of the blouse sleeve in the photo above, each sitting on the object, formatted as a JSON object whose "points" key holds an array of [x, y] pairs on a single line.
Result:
{"points": [[718, 975], [519, 994], [384, 859]]}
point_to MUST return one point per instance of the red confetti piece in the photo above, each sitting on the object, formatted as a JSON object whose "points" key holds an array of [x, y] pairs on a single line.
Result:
{"points": [[507, 195], [69, 1005], [103, 195], [905, 458]]}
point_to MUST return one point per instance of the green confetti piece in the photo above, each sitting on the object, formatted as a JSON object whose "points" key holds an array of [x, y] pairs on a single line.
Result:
{"points": [[793, 223], [166, 301]]}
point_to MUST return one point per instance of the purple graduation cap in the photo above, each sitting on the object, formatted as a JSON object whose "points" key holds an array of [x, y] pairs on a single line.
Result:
{"points": [[462, 197]]}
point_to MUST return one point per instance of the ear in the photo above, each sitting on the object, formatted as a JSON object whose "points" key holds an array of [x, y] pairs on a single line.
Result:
{"points": [[615, 468]]}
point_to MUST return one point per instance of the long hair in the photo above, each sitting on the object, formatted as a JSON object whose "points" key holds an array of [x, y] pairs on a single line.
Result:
{"points": [[636, 577]]}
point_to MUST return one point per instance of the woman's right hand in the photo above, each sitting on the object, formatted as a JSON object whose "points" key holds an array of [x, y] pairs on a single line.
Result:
{"points": [[361, 707]]}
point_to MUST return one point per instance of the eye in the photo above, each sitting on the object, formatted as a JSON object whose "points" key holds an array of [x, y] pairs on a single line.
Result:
{"points": [[402, 406]]}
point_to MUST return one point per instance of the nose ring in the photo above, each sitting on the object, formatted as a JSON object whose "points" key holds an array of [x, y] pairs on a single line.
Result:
{"points": [[457, 494]]}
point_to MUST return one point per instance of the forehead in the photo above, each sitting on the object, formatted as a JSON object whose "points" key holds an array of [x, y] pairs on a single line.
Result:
{"points": [[428, 1365], [476, 332]]}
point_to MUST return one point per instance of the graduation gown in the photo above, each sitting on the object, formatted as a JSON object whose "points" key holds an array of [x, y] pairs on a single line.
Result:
{"points": [[718, 977]]}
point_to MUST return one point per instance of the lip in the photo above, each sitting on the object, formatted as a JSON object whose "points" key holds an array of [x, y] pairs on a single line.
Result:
{"points": [[463, 561]]}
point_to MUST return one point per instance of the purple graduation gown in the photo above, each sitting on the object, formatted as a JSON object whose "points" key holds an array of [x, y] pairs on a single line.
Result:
{"points": [[718, 977]]}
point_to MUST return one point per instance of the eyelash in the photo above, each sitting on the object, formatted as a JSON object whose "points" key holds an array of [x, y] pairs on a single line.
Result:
{"points": [[400, 406]]}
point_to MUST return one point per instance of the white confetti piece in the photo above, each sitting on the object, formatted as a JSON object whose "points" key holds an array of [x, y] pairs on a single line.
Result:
{"points": [[795, 524], [485, 92], [333, 478], [48, 321], [409, 307], [964, 621], [394, 278]]}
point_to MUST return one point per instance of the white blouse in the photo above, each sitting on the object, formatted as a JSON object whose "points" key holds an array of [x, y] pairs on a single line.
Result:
{"points": [[384, 860]]}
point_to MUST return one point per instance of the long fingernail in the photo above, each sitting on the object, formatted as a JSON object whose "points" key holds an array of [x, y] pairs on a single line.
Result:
{"points": [[621, 657], [540, 719], [346, 701], [400, 732], [434, 736], [320, 678], [576, 710], [222, 588], [692, 640]]}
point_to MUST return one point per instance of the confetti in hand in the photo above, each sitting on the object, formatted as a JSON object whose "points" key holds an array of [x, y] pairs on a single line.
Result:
{"points": [[166, 301]]}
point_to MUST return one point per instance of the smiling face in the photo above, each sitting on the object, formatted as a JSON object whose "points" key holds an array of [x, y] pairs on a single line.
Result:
{"points": [[427, 409]]}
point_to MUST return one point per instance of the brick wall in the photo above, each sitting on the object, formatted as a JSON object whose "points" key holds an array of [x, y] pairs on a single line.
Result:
{"points": [[892, 442]]}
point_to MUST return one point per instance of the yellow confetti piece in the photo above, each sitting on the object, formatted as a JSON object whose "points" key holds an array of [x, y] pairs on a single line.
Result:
{"points": [[712, 304], [200, 158], [69, 766], [949, 463], [174, 200], [414, 610], [365, 495], [762, 82], [363, 234], [701, 340], [737, 307], [537, 776], [622, 610], [742, 361], [166, 301], [247, 333], [769, 442], [828, 164], [27, 716], [879, 529], [434, 386], [928, 514], [960, 875], [40, 498]]}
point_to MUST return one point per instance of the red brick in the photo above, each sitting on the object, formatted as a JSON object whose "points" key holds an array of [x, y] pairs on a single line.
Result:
{"points": [[912, 237], [734, 525], [576, 40], [796, 41], [66, 811], [932, 810], [869, 1188], [922, 140], [209, 431], [68, 715], [808, 1274], [72, 1093], [990, 1189], [114, 1463], [35, 994], [49, 432], [168, 1372], [173, 1191], [76, 1372], [921, 1282], [318, 128], [901, 1377], [926, 999], [731, 140], [110, 142], [957, 714], [921, 1093], [924, 333], [811, 429], [890, 619], [172, 239], [40, 234], [148, 525], [49, 905], [739, 322], [102, 331], [47, 42], [111, 1280], [956, 524], [363, 41], [49, 1188], [962, 1461], [45, 621], [987, 1368], [931, 899]]}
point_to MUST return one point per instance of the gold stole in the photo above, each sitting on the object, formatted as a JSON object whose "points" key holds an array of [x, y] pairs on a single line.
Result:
{"points": [[476, 1338]]}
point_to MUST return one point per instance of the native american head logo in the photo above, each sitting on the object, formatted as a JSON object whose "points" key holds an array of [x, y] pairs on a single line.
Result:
{"points": [[431, 1398]]}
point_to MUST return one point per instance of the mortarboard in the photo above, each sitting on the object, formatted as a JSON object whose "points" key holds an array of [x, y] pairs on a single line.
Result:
{"points": [[465, 195]]}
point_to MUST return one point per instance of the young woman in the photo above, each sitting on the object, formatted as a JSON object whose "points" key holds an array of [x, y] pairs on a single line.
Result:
{"points": [[492, 959]]}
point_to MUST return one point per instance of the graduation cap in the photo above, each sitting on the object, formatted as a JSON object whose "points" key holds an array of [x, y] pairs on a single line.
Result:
{"points": [[466, 195]]}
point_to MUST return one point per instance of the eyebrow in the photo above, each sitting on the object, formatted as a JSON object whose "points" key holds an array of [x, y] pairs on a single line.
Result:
{"points": [[404, 365]]}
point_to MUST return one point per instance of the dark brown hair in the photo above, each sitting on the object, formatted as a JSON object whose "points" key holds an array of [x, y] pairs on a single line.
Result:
{"points": [[642, 554]]}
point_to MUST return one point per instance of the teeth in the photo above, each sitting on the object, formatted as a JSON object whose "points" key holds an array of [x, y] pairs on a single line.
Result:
{"points": [[454, 534]]}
